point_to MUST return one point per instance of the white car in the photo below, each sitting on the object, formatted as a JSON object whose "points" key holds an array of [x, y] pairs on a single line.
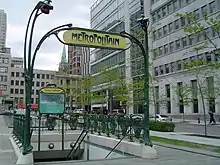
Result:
{"points": [[161, 117]]}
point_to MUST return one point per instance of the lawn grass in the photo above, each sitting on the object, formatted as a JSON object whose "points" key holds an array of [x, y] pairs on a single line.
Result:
{"points": [[185, 144]]}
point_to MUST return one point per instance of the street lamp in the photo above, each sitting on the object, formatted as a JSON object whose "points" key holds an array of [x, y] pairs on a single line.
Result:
{"points": [[144, 23], [42, 7]]}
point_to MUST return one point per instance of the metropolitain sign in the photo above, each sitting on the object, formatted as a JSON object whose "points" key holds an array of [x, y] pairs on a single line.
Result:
{"points": [[94, 38]]}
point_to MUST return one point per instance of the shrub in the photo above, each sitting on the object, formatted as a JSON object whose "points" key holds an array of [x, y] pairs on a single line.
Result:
{"points": [[161, 126]]}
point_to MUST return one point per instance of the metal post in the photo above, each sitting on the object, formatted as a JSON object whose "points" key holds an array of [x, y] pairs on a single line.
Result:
{"points": [[45, 8], [144, 23], [146, 135]]}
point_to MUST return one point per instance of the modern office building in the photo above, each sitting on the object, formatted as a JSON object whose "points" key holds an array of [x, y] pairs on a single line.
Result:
{"points": [[3, 27], [174, 51], [74, 60], [115, 16]]}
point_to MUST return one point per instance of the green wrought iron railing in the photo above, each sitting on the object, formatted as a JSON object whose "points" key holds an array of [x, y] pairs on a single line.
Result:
{"points": [[126, 127], [18, 128]]}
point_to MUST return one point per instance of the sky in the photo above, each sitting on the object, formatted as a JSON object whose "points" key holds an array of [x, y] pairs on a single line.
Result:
{"points": [[76, 12]]}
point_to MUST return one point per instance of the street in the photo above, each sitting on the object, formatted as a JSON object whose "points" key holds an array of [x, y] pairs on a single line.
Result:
{"points": [[198, 129]]}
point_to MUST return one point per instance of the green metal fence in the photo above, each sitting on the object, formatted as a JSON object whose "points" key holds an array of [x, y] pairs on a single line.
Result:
{"points": [[18, 128], [129, 127]]}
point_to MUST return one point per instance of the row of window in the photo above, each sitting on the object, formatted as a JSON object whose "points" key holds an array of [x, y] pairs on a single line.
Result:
{"points": [[118, 58], [38, 76], [181, 22], [3, 87], [21, 91], [182, 64], [169, 8], [4, 60], [20, 100], [3, 69], [194, 92], [21, 83], [185, 42], [3, 78]]}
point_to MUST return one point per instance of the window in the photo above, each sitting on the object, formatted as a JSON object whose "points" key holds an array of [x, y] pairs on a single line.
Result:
{"points": [[38, 75], [179, 65], [165, 49], [22, 83], [184, 42], [212, 7], [156, 71], [42, 84], [21, 91], [183, 21], [171, 47], [170, 27], [12, 74], [164, 11], [17, 74], [159, 14], [177, 44], [197, 14], [160, 32], [173, 67], [11, 90], [205, 10], [48, 76], [169, 9], [16, 91], [175, 5], [12, 82], [37, 84], [43, 76], [191, 40], [160, 51], [165, 30], [176, 24], [17, 82], [167, 68], [185, 63], [154, 18], [154, 35], [161, 69], [167, 87], [208, 57], [3, 69]]}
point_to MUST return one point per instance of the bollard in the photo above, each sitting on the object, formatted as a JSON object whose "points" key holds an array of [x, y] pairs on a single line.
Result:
{"points": [[198, 120]]}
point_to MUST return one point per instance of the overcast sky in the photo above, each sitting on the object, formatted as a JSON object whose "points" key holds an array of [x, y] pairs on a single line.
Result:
{"points": [[76, 12]]}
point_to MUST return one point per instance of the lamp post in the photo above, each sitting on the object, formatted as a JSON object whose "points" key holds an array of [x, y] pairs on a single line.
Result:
{"points": [[42, 7], [144, 23]]}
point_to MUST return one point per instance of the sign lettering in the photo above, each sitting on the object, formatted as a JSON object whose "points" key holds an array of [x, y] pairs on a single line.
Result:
{"points": [[93, 38]]}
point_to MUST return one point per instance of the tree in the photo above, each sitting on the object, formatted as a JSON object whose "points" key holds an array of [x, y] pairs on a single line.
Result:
{"points": [[183, 92], [207, 34], [84, 94]]}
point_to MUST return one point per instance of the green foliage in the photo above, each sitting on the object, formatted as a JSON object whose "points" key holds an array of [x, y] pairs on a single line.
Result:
{"points": [[161, 126], [183, 92]]}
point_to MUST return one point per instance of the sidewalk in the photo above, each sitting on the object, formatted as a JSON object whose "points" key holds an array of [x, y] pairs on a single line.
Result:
{"points": [[194, 122], [182, 136]]}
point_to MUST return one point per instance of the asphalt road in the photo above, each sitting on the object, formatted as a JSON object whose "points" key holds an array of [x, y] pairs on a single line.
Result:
{"points": [[198, 129]]}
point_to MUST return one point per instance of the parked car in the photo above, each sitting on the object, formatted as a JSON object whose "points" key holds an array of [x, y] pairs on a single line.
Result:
{"points": [[162, 117], [119, 112]]}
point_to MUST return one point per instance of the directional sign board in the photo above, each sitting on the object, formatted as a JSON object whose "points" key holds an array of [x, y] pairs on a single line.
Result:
{"points": [[94, 38], [51, 100]]}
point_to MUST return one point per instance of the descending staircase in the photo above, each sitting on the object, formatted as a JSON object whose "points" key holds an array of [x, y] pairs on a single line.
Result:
{"points": [[71, 155]]}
